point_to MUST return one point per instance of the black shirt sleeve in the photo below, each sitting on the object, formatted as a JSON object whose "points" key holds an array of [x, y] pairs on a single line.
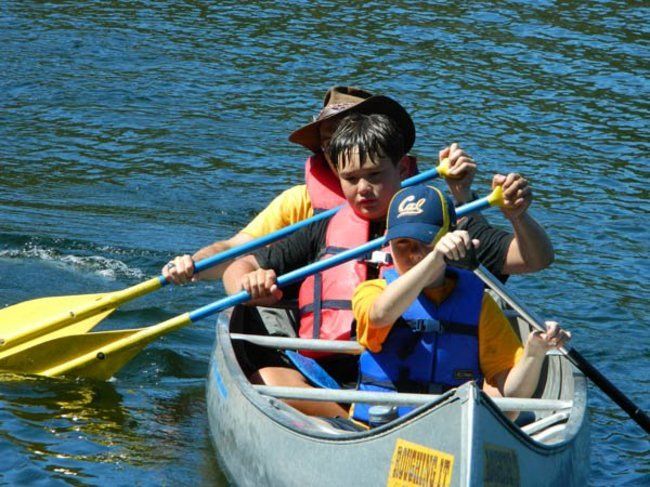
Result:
{"points": [[494, 244], [295, 251]]}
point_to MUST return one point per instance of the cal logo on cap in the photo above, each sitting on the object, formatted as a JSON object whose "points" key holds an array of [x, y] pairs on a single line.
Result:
{"points": [[409, 206]]}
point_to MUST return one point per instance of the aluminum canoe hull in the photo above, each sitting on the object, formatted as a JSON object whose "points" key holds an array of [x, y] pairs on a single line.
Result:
{"points": [[462, 439]]}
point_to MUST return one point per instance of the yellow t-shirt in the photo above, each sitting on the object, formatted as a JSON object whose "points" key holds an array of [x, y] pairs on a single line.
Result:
{"points": [[499, 346], [291, 206]]}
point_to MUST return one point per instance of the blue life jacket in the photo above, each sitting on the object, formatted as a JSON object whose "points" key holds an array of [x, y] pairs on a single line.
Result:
{"points": [[430, 349]]}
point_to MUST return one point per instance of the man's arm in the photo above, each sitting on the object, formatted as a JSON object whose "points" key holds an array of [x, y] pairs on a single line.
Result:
{"points": [[531, 250], [291, 206], [182, 270], [527, 249]]}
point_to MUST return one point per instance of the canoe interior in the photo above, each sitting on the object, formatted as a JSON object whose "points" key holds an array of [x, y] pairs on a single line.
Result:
{"points": [[557, 379]]}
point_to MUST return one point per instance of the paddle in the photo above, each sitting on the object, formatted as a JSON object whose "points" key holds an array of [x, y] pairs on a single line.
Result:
{"points": [[100, 355], [26, 324], [633, 411]]}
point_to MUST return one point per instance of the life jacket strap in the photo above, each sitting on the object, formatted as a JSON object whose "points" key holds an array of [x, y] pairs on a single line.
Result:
{"points": [[327, 304], [427, 325], [459, 328], [330, 251], [372, 381], [317, 304], [404, 385]]}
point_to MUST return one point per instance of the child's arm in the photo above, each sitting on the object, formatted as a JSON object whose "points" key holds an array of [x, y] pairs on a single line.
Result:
{"points": [[256, 273], [522, 379], [246, 274], [399, 295]]}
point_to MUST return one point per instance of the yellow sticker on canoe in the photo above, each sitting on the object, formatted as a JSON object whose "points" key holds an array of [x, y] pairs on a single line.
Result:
{"points": [[417, 465]]}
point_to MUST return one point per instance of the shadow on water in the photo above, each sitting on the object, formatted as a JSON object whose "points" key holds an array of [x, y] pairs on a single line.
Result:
{"points": [[58, 426], [77, 431]]}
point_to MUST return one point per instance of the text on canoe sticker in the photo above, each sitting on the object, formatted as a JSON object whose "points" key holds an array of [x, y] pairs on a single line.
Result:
{"points": [[500, 467], [417, 465]]}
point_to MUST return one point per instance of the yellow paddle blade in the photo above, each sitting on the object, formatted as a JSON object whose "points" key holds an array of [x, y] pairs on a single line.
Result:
{"points": [[96, 355], [27, 320], [37, 318], [73, 329], [35, 311], [42, 357]]}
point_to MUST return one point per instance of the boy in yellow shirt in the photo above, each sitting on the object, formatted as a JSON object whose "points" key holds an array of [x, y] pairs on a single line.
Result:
{"points": [[428, 327]]}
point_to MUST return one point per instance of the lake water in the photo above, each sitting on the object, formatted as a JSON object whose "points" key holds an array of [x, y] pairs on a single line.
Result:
{"points": [[133, 131]]}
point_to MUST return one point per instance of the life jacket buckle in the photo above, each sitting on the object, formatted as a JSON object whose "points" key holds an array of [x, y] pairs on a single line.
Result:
{"points": [[428, 325], [378, 258]]}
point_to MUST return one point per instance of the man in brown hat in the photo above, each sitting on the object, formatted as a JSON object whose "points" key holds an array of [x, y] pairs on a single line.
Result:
{"points": [[527, 250], [322, 190]]}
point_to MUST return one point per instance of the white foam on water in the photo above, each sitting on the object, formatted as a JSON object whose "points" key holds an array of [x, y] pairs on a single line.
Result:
{"points": [[103, 266]]}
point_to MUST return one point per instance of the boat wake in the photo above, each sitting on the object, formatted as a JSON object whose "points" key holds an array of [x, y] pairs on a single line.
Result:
{"points": [[105, 267]]}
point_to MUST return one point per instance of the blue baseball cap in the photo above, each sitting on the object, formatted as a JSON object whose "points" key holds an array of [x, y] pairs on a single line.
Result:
{"points": [[420, 212]]}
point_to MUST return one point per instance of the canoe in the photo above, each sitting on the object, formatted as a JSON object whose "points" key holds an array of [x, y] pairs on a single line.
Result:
{"points": [[460, 438]]}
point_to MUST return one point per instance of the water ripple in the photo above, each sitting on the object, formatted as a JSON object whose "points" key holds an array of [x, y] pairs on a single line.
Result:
{"points": [[133, 131]]}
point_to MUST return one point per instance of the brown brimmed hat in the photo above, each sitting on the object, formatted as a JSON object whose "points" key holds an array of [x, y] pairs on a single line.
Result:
{"points": [[341, 101]]}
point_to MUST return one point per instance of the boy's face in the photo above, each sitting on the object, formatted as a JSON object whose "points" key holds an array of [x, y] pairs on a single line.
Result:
{"points": [[407, 252], [369, 187]]}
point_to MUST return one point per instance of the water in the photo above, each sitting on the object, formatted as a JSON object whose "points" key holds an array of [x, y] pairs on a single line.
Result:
{"points": [[132, 131]]}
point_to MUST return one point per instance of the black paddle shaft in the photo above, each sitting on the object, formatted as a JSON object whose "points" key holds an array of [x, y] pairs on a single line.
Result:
{"points": [[470, 262], [635, 412]]}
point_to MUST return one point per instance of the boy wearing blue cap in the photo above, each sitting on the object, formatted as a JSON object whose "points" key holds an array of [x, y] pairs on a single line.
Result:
{"points": [[428, 327]]}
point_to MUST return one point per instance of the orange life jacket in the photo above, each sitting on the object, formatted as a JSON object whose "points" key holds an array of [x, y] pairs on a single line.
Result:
{"points": [[323, 185], [325, 299]]}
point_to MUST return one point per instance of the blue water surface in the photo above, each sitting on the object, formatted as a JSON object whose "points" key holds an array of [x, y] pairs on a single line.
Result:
{"points": [[134, 131]]}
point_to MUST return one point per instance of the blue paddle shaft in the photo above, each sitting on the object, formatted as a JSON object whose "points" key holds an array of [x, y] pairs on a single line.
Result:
{"points": [[321, 265], [280, 234]]}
